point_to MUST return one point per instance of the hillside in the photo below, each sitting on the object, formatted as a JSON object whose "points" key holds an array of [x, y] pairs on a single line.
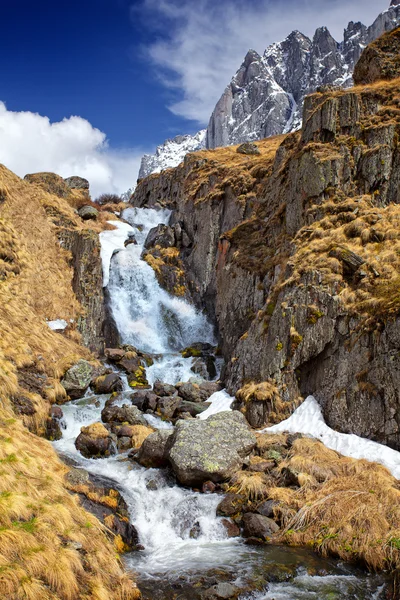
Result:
{"points": [[50, 547]]}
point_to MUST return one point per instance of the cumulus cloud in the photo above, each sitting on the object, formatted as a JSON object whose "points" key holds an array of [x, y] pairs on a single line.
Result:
{"points": [[200, 45], [30, 143]]}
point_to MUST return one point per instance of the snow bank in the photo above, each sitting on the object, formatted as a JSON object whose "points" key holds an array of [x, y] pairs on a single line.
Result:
{"points": [[220, 402], [308, 419], [57, 325], [110, 241]]}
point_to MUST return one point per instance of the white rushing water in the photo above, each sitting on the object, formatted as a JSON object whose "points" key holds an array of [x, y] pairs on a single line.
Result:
{"points": [[178, 528], [308, 419]]}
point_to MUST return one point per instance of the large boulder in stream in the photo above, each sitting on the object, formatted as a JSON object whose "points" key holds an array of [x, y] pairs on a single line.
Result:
{"points": [[130, 415], [152, 453], [77, 379], [210, 450], [95, 441]]}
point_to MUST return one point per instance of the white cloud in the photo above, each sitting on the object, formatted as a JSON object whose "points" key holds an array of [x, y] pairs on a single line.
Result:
{"points": [[201, 44], [30, 143]]}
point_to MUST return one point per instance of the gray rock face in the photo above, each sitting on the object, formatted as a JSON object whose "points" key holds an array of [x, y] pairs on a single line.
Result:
{"points": [[77, 379], [265, 97], [152, 453], [210, 450], [162, 235]]}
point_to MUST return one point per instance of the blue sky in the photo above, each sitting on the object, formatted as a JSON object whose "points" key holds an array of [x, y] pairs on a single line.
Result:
{"points": [[135, 72]]}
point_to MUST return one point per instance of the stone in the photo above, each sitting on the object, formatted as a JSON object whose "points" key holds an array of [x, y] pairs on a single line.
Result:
{"points": [[77, 379], [152, 453], [193, 408], [77, 477], [191, 392], [162, 235], [50, 182], [95, 441], [231, 528], [208, 487], [164, 389], [262, 466], [258, 526], [77, 183], [107, 384], [123, 414], [114, 354], [266, 509], [88, 212], [210, 450], [22, 405], [140, 399], [248, 148], [231, 505], [222, 591], [167, 407]]}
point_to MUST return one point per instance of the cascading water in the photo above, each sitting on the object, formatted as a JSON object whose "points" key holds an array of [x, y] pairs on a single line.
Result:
{"points": [[182, 536]]}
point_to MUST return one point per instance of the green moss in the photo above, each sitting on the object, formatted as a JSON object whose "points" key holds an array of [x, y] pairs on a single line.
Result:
{"points": [[191, 352], [270, 309], [279, 347]]}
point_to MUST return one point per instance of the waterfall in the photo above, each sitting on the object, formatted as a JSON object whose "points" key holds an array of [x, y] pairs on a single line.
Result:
{"points": [[178, 527]]}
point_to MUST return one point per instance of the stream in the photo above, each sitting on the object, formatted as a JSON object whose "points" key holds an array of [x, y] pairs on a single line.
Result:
{"points": [[174, 562]]}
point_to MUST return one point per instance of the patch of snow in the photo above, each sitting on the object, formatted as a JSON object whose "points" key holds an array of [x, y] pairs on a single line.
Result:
{"points": [[308, 419], [57, 325], [110, 241], [220, 402], [171, 153]]}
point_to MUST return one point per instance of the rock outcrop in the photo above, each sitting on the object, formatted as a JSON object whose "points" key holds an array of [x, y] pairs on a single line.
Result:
{"points": [[210, 450], [294, 253]]}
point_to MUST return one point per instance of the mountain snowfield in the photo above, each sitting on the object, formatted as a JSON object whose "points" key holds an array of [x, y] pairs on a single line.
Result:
{"points": [[265, 97]]}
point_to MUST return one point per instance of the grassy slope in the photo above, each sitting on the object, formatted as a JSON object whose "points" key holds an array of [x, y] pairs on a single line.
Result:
{"points": [[49, 546]]}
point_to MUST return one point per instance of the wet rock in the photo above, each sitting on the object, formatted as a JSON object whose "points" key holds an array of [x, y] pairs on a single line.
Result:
{"points": [[135, 370], [195, 531], [140, 400], [53, 424], [162, 235], [114, 354], [77, 379], [210, 388], [167, 407], [231, 505], [152, 453], [124, 443], [191, 392], [258, 526], [193, 408], [222, 591], [95, 441], [88, 212], [107, 384], [208, 487], [164, 389], [248, 148], [123, 414], [231, 528], [266, 509], [210, 450]]}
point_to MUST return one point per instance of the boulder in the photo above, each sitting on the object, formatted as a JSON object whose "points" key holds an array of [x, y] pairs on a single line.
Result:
{"points": [[114, 354], [164, 389], [136, 372], [77, 379], [167, 407], [231, 528], [162, 235], [193, 408], [107, 384], [191, 392], [88, 212], [258, 526], [95, 441], [248, 148], [210, 450], [123, 414], [50, 182], [77, 183], [152, 453], [222, 591], [231, 505]]}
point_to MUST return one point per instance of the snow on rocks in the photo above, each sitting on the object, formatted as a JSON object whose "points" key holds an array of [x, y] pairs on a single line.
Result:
{"points": [[308, 419]]}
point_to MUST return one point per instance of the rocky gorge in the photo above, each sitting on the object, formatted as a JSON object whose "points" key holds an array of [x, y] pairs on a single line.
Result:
{"points": [[182, 354]]}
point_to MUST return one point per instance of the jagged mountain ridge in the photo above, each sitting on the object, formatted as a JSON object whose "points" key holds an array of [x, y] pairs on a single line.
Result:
{"points": [[265, 96]]}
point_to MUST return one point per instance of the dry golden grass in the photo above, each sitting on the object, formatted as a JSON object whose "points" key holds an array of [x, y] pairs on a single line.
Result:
{"points": [[252, 485], [344, 507], [50, 548]]}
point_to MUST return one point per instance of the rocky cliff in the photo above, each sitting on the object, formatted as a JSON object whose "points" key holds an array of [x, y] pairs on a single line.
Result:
{"points": [[295, 252], [265, 97]]}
